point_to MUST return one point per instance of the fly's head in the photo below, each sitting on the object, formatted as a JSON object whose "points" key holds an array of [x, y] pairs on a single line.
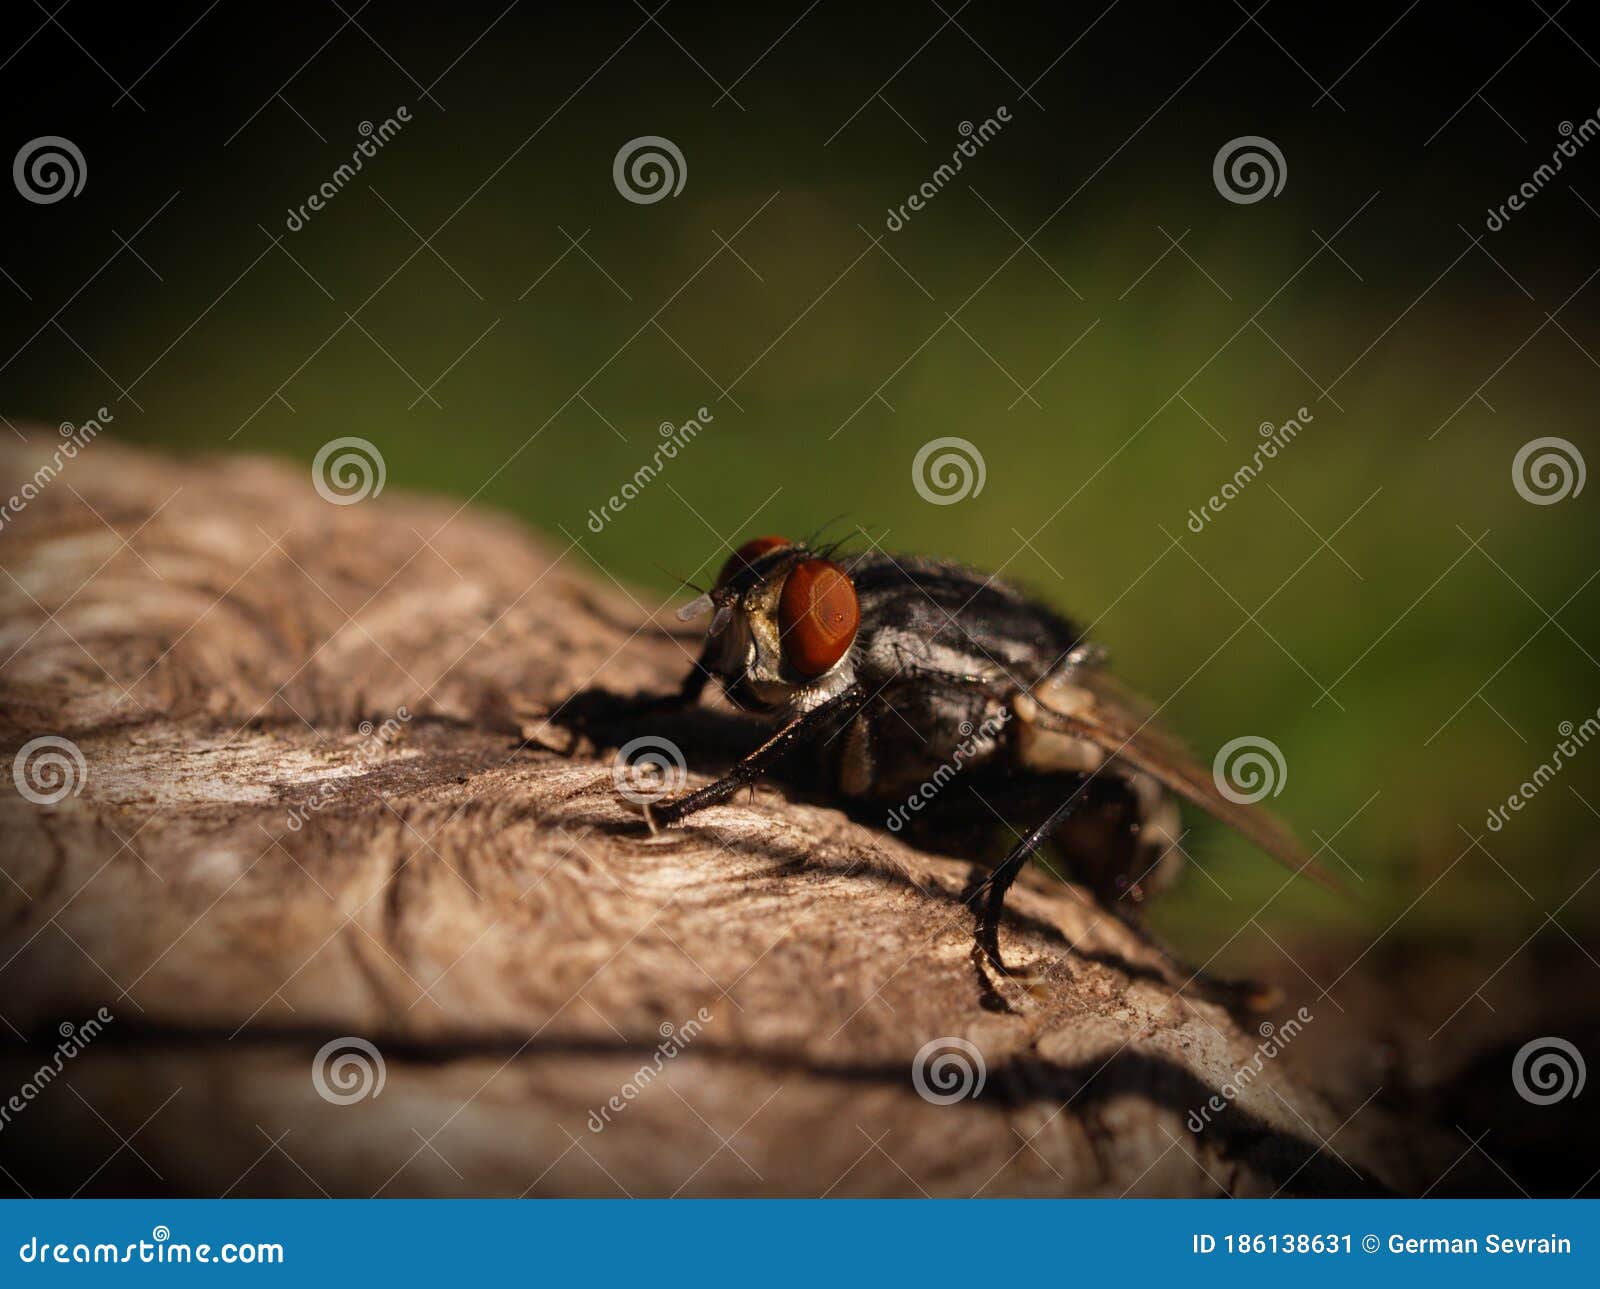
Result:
{"points": [[783, 620]]}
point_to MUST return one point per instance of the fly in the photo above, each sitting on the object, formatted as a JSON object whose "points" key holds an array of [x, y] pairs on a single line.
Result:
{"points": [[892, 669]]}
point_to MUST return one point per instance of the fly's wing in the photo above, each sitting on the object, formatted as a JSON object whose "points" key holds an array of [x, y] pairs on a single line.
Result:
{"points": [[1090, 704]]}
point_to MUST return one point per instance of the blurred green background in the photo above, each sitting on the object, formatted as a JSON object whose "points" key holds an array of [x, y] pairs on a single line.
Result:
{"points": [[1380, 603]]}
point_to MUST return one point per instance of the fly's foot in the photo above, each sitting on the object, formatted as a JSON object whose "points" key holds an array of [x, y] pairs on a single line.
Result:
{"points": [[661, 815], [988, 949], [989, 998], [650, 821], [1030, 981], [989, 946], [980, 896]]}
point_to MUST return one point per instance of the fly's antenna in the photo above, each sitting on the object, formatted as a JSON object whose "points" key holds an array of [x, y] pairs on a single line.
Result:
{"points": [[683, 582]]}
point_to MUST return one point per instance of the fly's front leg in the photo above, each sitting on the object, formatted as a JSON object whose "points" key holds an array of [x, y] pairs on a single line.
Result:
{"points": [[660, 814], [989, 898]]}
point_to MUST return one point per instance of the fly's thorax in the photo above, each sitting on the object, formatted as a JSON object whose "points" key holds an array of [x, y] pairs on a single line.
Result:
{"points": [[888, 650], [937, 617]]}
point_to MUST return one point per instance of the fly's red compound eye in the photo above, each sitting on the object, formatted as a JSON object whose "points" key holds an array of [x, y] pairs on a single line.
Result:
{"points": [[747, 555], [817, 615]]}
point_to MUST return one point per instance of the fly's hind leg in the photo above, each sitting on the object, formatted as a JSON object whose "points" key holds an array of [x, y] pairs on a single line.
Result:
{"points": [[989, 898]]}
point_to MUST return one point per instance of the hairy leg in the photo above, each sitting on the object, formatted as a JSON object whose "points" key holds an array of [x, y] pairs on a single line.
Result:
{"points": [[990, 896], [798, 732]]}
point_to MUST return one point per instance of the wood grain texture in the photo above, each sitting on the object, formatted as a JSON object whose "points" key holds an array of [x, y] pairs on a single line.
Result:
{"points": [[470, 895]]}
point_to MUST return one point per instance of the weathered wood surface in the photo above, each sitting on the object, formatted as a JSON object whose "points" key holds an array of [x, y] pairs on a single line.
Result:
{"points": [[486, 912]]}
